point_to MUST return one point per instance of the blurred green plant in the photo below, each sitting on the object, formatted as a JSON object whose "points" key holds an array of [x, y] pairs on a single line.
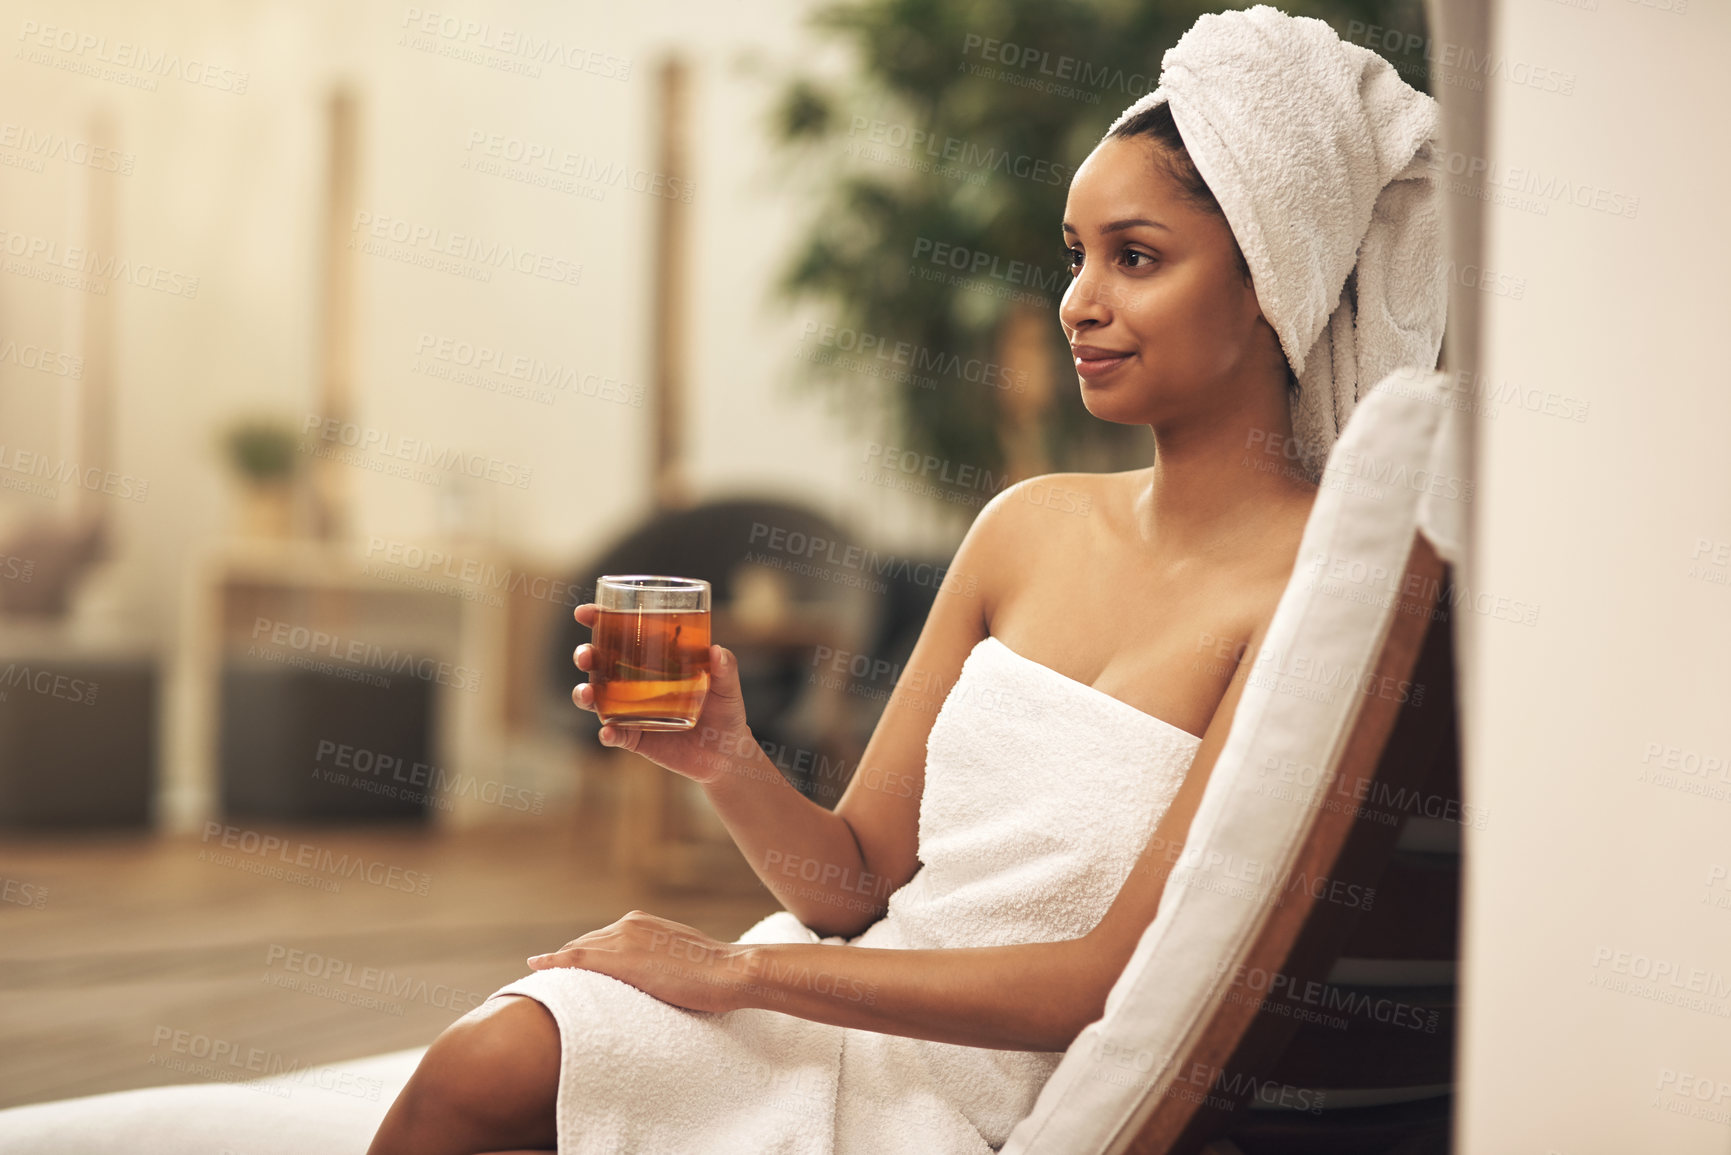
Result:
{"points": [[262, 450], [986, 175]]}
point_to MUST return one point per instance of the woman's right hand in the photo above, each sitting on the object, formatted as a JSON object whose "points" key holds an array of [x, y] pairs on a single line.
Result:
{"points": [[720, 742]]}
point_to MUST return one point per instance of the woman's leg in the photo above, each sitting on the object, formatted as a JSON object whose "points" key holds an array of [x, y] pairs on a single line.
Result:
{"points": [[489, 1083]]}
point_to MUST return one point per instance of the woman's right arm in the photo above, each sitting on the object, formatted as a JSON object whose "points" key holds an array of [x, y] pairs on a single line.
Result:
{"points": [[835, 870]]}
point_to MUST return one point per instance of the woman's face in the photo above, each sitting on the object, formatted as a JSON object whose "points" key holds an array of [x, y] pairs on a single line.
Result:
{"points": [[1161, 320]]}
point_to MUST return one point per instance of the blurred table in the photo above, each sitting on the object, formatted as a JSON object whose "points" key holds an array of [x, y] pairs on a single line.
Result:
{"points": [[249, 591]]}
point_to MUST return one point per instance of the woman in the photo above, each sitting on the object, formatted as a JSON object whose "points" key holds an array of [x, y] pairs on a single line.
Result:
{"points": [[944, 935]]}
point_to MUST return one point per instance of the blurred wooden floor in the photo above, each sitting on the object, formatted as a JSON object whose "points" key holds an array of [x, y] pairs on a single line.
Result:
{"points": [[137, 937]]}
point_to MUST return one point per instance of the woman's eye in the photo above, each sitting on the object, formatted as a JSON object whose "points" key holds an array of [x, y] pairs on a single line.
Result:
{"points": [[1073, 260], [1145, 258]]}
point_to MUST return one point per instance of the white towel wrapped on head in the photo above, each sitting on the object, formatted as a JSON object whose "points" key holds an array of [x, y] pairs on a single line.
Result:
{"points": [[1320, 156]]}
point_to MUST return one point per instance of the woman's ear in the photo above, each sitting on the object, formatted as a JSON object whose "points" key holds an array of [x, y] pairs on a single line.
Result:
{"points": [[1276, 350]]}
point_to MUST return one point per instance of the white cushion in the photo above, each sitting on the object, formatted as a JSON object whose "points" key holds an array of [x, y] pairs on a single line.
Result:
{"points": [[1329, 626], [331, 1109]]}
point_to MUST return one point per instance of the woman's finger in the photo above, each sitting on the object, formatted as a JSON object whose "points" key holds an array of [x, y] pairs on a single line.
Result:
{"points": [[621, 737], [563, 957]]}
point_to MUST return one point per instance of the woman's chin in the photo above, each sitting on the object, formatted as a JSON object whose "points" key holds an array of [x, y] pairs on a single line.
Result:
{"points": [[1110, 405]]}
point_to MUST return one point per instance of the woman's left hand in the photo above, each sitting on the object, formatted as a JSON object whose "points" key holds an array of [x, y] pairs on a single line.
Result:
{"points": [[660, 957]]}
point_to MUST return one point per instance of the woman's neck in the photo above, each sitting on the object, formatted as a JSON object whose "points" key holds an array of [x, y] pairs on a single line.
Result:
{"points": [[1214, 482]]}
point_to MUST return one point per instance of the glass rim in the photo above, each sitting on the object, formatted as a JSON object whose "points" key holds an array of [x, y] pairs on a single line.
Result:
{"points": [[652, 581]]}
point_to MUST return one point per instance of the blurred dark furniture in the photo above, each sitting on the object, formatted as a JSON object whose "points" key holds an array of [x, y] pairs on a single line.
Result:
{"points": [[281, 737], [812, 722], [77, 740]]}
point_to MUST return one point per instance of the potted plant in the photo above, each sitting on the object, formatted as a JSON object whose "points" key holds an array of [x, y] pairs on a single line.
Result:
{"points": [[264, 452]]}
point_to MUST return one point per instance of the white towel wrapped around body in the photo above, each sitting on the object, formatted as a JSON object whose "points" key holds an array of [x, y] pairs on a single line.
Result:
{"points": [[1040, 793], [1321, 158]]}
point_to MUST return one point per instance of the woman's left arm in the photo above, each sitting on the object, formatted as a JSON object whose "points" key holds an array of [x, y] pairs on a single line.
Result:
{"points": [[1025, 997]]}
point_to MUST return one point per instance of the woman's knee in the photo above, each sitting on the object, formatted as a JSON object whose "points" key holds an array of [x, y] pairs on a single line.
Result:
{"points": [[493, 1072]]}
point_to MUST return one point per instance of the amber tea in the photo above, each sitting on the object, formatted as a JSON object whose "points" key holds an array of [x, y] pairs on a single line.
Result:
{"points": [[651, 642]]}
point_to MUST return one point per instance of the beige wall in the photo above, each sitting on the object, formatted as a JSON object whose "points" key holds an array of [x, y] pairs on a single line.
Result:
{"points": [[227, 186], [1588, 732]]}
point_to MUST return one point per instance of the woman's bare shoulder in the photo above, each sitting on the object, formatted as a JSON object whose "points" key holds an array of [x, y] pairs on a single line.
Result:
{"points": [[1028, 525], [1055, 493]]}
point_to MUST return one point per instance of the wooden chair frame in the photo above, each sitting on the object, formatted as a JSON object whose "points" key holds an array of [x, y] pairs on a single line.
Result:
{"points": [[1389, 742]]}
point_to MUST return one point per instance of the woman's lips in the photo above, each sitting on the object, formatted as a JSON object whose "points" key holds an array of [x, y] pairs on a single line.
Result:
{"points": [[1095, 363]]}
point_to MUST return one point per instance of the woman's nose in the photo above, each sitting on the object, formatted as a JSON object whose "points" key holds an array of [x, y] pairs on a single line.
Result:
{"points": [[1083, 302]]}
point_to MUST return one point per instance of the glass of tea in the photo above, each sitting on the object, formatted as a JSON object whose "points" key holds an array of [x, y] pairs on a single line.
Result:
{"points": [[651, 642]]}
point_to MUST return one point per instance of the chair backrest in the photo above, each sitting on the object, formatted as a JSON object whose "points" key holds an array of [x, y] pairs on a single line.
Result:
{"points": [[1338, 1030], [1280, 864]]}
